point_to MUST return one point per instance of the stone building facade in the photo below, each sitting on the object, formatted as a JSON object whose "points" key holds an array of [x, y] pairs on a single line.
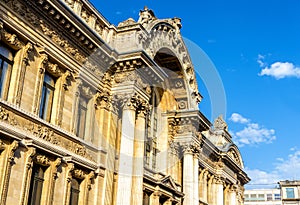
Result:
{"points": [[92, 113]]}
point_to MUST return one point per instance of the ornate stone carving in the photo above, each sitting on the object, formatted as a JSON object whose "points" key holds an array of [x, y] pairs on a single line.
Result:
{"points": [[146, 16], [27, 49], [42, 160], [78, 173], [90, 177], [43, 59], [25, 12], [174, 148], [233, 155], [220, 124], [143, 109], [219, 164], [6, 116], [190, 147], [11, 39], [43, 132], [103, 99], [56, 38], [127, 22], [67, 78]]}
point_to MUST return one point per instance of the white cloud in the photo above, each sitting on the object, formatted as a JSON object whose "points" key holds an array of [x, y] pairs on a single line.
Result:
{"points": [[252, 133], [237, 118], [284, 169], [280, 70], [260, 60]]}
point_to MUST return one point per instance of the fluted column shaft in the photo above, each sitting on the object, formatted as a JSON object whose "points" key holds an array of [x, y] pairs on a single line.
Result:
{"points": [[126, 156]]}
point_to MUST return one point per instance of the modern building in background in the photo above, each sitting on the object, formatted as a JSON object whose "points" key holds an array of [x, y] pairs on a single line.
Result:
{"points": [[92, 113], [290, 191], [263, 197]]}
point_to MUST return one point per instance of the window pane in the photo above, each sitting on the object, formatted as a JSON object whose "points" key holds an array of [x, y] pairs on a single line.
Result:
{"points": [[290, 193], [277, 196], [5, 69], [75, 189], [81, 119], [47, 98], [6, 53], [269, 197], [36, 186]]}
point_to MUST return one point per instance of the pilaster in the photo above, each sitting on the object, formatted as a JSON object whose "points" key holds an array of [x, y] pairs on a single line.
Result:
{"points": [[7, 164], [27, 175]]}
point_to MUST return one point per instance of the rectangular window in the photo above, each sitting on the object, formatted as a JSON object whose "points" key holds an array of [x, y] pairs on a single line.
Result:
{"points": [[36, 185], [147, 153], [154, 158], [290, 193], [253, 197], [277, 197], [81, 118], [261, 197], [269, 197], [75, 190], [47, 97], [6, 62]]}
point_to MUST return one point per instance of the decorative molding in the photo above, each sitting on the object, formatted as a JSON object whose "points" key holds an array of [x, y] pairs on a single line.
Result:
{"points": [[43, 132], [79, 174], [10, 38], [220, 124], [190, 147], [42, 160]]}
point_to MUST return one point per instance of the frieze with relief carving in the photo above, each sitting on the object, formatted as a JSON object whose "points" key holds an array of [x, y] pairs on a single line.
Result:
{"points": [[43, 132], [10, 38], [42, 160]]}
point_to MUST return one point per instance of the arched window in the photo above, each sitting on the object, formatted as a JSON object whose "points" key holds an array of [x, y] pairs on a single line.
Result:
{"points": [[6, 62], [47, 97]]}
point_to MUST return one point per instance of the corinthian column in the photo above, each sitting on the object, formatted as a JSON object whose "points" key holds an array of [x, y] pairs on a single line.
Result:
{"points": [[126, 153], [138, 164], [219, 189], [232, 195], [188, 175]]}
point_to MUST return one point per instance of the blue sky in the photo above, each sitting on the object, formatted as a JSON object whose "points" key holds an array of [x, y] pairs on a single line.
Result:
{"points": [[255, 47]]}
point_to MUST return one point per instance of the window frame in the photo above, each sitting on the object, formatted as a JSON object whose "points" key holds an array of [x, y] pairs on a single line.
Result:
{"points": [[81, 126], [288, 191], [36, 185], [5, 79], [74, 192], [45, 111]]}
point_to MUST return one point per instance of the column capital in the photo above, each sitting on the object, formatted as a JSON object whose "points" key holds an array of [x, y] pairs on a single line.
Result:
{"points": [[190, 147], [143, 109], [219, 180], [103, 99]]}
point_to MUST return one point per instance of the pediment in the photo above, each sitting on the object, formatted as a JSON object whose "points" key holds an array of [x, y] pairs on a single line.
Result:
{"points": [[169, 182], [235, 156]]}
